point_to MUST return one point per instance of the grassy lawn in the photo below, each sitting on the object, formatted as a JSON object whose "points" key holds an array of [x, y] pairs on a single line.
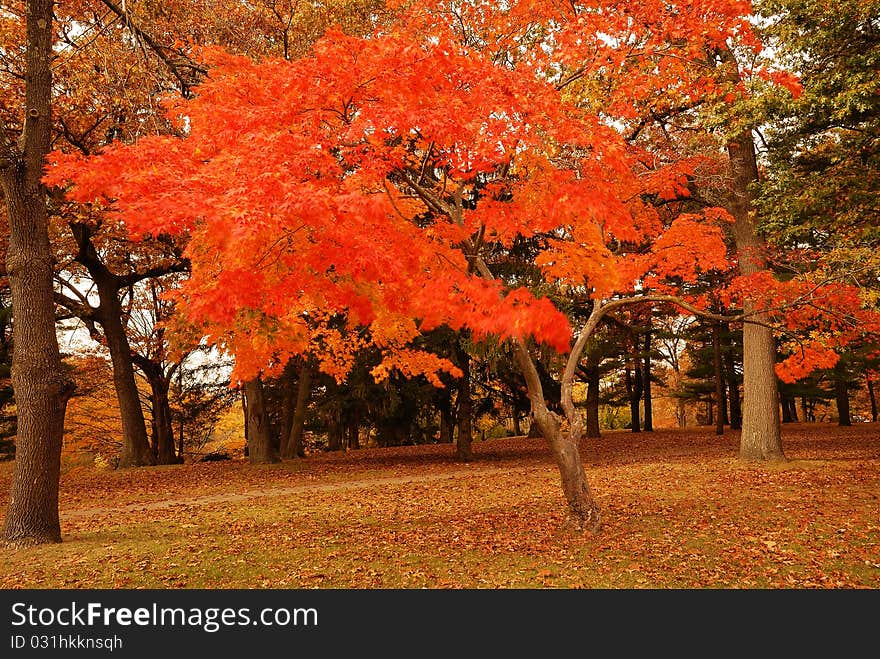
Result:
{"points": [[680, 511]]}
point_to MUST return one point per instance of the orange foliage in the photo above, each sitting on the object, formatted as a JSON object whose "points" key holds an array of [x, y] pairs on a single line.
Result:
{"points": [[362, 180]]}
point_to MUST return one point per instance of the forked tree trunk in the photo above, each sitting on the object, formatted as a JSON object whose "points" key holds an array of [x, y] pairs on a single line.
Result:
{"points": [[261, 449], [162, 447], [761, 438], [41, 385], [135, 443], [582, 508], [583, 511]]}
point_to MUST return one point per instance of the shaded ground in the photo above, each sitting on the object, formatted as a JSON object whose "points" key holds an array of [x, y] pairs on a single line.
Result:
{"points": [[679, 512]]}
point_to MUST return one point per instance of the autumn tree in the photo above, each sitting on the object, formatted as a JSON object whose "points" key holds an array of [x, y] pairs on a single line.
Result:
{"points": [[392, 151], [41, 385]]}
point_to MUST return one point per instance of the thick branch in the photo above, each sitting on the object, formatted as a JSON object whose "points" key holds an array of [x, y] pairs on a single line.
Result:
{"points": [[175, 68]]}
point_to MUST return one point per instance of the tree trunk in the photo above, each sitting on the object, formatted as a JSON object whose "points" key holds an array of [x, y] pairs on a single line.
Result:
{"points": [[841, 395], [591, 427], [444, 407], [633, 381], [805, 409], [761, 438], [786, 409], [353, 435], [294, 447], [794, 413], [719, 379], [730, 375], [873, 400], [463, 447], [583, 511], [41, 385], [649, 407], [135, 444], [163, 429], [261, 450], [162, 447], [334, 432], [180, 441], [244, 410], [582, 508], [288, 403]]}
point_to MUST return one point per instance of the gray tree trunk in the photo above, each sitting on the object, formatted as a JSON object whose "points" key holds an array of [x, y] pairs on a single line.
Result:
{"points": [[761, 437]]}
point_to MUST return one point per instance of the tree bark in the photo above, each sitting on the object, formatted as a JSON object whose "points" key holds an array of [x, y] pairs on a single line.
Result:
{"points": [[464, 445], [786, 409], [135, 444], [294, 447], [761, 437], [444, 408], [730, 375], [163, 428], [648, 425], [162, 447], [334, 432], [41, 385], [719, 378], [633, 381], [583, 511], [354, 434], [841, 396], [591, 427], [873, 399], [261, 450]]}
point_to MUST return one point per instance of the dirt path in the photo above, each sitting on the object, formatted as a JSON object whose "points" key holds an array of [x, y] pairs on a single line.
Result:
{"points": [[366, 483]]}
